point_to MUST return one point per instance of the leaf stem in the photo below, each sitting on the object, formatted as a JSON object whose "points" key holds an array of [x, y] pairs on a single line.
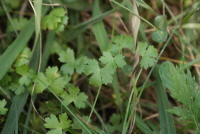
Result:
{"points": [[98, 92]]}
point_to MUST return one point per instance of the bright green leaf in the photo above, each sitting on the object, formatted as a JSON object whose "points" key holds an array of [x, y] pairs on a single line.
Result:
{"points": [[70, 62], [74, 96], [57, 85], [41, 83], [120, 42], [56, 125], [93, 68], [148, 53], [56, 20], [51, 73], [106, 74]]}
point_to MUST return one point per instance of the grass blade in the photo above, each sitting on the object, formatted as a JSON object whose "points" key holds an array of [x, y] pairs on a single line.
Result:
{"points": [[10, 55], [99, 29], [166, 119], [16, 108]]}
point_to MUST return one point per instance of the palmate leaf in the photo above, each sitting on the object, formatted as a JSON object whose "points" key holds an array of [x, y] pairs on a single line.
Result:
{"points": [[56, 20], [17, 88], [68, 58], [50, 79], [104, 75], [148, 53], [27, 74], [119, 42], [99, 76], [56, 125], [74, 96], [113, 62], [93, 68]]}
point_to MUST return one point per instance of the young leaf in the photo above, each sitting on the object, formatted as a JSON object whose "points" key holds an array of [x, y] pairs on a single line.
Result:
{"points": [[56, 125], [23, 58], [99, 76], [27, 74], [56, 20], [50, 79], [3, 110], [112, 62], [74, 96], [119, 42], [106, 74], [148, 53], [93, 68], [17, 88], [70, 62]]}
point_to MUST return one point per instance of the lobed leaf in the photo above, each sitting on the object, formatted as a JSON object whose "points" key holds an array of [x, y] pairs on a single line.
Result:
{"points": [[148, 53], [56, 125], [74, 96]]}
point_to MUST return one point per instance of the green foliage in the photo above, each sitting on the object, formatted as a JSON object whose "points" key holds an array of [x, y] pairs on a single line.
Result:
{"points": [[74, 96], [148, 53], [3, 110], [160, 36], [183, 88], [119, 42], [112, 62], [17, 88], [27, 75], [18, 23], [103, 75], [23, 58], [68, 58], [108, 64], [57, 126], [50, 79], [56, 20]]}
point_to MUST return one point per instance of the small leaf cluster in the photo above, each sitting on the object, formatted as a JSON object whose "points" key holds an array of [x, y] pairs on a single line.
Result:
{"points": [[184, 88], [113, 59], [103, 75], [56, 20], [70, 63]]}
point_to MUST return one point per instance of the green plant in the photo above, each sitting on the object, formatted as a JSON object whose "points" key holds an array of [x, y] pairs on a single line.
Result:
{"points": [[91, 77]]}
